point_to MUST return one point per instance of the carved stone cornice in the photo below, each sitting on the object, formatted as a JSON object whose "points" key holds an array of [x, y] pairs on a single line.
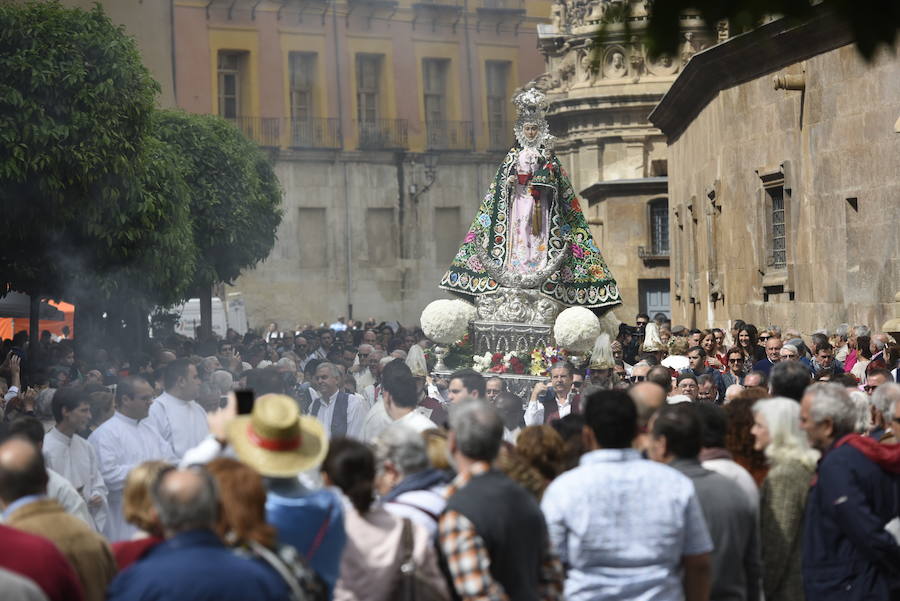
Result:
{"points": [[764, 50]]}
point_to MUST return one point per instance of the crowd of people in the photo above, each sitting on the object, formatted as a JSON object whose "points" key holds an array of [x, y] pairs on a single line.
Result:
{"points": [[725, 464]]}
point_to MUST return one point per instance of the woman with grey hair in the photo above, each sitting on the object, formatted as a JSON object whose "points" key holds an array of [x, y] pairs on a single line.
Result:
{"points": [[409, 486], [776, 430]]}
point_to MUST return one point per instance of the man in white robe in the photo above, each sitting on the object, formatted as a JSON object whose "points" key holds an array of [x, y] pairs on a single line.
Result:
{"points": [[73, 457], [178, 419], [58, 488], [124, 441]]}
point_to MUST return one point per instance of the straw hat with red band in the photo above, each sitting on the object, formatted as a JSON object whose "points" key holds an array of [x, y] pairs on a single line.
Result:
{"points": [[276, 440]]}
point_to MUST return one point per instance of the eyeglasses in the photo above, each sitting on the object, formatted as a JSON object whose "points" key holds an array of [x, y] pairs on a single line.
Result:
{"points": [[869, 387], [764, 337], [363, 355], [577, 384], [637, 378], [738, 360]]}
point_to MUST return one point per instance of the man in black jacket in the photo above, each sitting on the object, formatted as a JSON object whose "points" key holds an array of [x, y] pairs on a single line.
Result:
{"points": [[848, 554], [492, 533]]}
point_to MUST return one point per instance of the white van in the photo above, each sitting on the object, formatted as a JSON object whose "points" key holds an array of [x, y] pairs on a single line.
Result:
{"points": [[229, 314]]}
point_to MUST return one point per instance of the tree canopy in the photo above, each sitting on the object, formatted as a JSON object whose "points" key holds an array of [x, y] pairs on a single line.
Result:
{"points": [[75, 110], [235, 198]]}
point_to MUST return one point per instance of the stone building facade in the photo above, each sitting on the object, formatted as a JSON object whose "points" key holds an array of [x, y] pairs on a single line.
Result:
{"points": [[601, 93], [783, 182], [386, 121]]}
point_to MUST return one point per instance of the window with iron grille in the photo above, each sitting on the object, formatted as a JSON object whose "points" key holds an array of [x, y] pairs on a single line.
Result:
{"points": [[659, 227], [497, 76], [229, 75], [303, 78], [777, 242], [368, 83]]}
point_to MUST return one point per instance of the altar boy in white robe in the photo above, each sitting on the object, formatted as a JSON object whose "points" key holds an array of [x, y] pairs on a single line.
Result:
{"points": [[73, 457], [175, 414], [124, 441]]}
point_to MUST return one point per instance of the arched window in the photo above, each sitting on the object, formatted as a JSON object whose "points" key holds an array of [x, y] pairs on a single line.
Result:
{"points": [[659, 227]]}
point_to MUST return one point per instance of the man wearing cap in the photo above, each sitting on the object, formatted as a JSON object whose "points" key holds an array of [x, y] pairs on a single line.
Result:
{"points": [[279, 443], [340, 412]]}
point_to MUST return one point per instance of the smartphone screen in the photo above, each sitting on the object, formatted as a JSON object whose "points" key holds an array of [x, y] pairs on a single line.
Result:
{"points": [[245, 400]]}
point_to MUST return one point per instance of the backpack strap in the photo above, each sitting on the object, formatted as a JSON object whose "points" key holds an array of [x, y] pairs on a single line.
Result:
{"points": [[339, 418], [278, 565], [406, 544]]}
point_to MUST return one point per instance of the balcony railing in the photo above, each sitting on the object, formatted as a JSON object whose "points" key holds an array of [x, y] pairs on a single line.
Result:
{"points": [[503, 4], [314, 133], [449, 135], [500, 135], [383, 134], [265, 131], [653, 254]]}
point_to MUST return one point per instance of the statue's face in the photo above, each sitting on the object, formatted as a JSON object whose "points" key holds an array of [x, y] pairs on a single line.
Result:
{"points": [[618, 60], [530, 130]]}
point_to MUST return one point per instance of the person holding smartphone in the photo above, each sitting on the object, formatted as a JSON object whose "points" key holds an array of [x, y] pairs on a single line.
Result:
{"points": [[554, 399]]}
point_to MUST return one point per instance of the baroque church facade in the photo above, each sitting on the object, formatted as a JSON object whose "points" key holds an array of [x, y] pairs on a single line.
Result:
{"points": [[601, 91]]}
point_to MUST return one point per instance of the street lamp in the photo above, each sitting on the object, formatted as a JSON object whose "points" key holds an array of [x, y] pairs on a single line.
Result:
{"points": [[429, 162]]}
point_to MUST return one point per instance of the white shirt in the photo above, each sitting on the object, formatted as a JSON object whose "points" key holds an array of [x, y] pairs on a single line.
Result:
{"points": [[733, 471], [510, 436], [364, 379], [75, 460], [182, 424], [622, 525], [356, 413], [417, 421], [121, 443], [534, 412], [65, 494], [376, 420]]}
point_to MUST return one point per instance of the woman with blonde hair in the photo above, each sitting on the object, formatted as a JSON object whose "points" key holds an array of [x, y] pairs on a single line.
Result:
{"points": [[782, 503], [137, 506]]}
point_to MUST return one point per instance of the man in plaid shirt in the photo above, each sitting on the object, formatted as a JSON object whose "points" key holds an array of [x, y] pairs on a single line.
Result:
{"points": [[493, 533]]}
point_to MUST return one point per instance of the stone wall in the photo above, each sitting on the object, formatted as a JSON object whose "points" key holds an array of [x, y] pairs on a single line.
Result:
{"points": [[394, 268], [835, 147]]}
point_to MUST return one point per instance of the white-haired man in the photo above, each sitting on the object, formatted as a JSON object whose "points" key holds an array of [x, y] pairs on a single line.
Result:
{"points": [[340, 412], [409, 486], [854, 497], [884, 406]]}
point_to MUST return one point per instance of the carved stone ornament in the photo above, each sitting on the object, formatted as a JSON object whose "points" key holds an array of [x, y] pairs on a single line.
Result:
{"points": [[614, 66], [663, 65], [516, 305]]}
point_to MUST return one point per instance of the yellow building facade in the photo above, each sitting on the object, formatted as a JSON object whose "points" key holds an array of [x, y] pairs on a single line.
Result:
{"points": [[386, 121]]}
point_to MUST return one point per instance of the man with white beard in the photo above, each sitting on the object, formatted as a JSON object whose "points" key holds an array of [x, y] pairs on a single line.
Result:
{"points": [[124, 441]]}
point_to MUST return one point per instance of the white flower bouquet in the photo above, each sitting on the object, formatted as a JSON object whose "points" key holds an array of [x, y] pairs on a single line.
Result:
{"points": [[576, 329], [447, 321]]}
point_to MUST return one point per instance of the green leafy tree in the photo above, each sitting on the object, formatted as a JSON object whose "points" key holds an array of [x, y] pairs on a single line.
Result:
{"points": [[75, 110], [874, 22], [235, 198]]}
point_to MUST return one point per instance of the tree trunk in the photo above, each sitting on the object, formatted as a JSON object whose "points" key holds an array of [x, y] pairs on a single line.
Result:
{"points": [[204, 293], [34, 335]]}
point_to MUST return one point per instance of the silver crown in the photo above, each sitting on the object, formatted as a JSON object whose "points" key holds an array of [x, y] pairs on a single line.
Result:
{"points": [[531, 106]]}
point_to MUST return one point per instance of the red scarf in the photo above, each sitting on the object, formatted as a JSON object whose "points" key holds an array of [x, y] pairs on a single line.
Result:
{"points": [[887, 456]]}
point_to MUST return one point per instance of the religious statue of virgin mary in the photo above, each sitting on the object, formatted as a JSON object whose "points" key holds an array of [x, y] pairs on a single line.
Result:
{"points": [[529, 231]]}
